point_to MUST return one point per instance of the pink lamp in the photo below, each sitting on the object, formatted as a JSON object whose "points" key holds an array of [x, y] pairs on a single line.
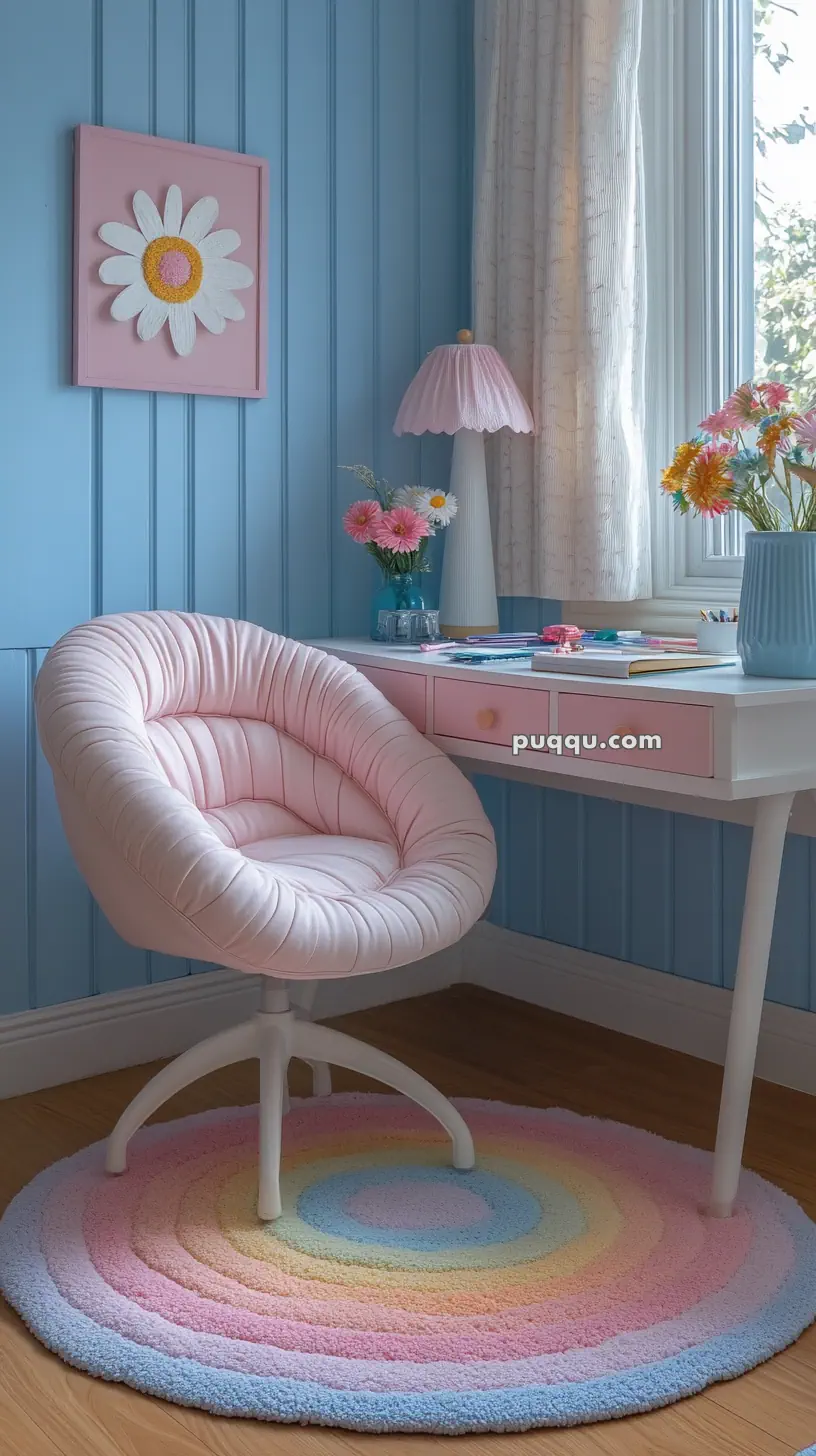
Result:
{"points": [[462, 390]]}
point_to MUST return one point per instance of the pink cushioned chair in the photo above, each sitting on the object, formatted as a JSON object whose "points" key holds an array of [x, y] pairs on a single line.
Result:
{"points": [[238, 797]]}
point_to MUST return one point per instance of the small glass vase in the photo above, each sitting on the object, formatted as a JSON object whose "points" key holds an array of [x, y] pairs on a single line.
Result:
{"points": [[396, 594]]}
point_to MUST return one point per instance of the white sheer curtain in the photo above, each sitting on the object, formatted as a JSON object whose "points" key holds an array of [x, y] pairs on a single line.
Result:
{"points": [[559, 288]]}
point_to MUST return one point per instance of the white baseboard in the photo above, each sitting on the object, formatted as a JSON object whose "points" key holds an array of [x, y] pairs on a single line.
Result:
{"points": [[687, 1016], [101, 1033], [126, 1028]]}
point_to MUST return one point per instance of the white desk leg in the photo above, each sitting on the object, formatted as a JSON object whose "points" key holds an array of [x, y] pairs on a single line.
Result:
{"points": [[767, 845]]}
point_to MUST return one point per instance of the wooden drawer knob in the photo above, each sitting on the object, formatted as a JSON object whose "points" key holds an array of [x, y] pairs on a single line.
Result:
{"points": [[486, 718]]}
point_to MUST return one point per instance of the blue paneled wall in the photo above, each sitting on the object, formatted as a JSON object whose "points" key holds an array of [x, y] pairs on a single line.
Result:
{"points": [[114, 500], [662, 890]]}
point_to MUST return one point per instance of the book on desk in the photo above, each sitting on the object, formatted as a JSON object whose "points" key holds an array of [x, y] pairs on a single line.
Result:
{"points": [[623, 663]]}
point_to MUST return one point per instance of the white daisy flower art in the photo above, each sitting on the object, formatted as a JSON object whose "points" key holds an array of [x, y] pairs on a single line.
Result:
{"points": [[174, 270], [436, 506]]}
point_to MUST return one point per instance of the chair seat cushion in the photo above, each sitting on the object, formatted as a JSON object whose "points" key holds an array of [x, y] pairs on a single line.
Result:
{"points": [[328, 864]]}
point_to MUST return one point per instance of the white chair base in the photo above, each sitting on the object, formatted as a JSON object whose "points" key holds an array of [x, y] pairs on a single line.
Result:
{"points": [[274, 1036]]}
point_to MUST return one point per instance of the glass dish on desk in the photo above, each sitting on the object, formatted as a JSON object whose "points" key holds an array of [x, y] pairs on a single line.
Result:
{"points": [[407, 625]]}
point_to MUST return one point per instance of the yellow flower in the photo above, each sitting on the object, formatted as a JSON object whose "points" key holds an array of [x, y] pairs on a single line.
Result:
{"points": [[708, 485], [684, 457]]}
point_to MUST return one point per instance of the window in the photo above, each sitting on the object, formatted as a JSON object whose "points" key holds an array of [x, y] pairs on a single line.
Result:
{"points": [[730, 169], [785, 210]]}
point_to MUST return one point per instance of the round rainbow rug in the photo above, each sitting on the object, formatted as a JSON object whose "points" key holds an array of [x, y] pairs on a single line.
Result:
{"points": [[571, 1277]]}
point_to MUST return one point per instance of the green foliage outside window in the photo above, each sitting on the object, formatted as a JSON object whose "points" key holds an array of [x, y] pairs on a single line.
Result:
{"points": [[785, 259]]}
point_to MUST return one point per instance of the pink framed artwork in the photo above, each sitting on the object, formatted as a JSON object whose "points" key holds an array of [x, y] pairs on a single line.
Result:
{"points": [[169, 265]]}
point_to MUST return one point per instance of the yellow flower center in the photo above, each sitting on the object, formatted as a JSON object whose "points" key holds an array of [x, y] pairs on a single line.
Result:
{"points": [[437, 501], [172, 269]]}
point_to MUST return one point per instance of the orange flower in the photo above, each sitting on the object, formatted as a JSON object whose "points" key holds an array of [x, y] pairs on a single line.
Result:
{"points": [[708, 485], [684, 457], [775, 435]]}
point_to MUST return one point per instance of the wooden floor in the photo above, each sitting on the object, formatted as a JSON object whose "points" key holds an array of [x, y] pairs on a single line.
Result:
{"points": [[471, 1043]]}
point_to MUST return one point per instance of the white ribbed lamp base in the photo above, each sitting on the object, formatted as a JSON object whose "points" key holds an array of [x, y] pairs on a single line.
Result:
{"points": [[467, 599]]}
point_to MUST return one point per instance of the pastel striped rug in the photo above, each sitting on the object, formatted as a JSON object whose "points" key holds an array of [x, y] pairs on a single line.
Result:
{"points": [[571, 1277]]}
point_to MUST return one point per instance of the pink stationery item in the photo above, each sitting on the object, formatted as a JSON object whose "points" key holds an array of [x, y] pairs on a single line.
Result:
{"points": [[562, 634]]}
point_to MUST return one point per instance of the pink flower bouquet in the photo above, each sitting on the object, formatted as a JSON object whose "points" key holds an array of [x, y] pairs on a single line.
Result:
{"points": [[756, 455], [396, 525]]}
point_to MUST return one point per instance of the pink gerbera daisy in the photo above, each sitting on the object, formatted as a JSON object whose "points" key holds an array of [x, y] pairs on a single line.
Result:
{"points": [[774, 394], [743, 407], [360, 520], [806, 430], [716, 424], [400, 529]]}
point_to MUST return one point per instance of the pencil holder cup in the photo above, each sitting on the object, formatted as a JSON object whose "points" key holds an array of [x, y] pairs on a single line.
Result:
{"points": [[717, 637]]}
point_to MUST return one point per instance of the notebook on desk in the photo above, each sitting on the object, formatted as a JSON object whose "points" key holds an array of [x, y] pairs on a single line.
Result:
{"points": [[623, 663]]}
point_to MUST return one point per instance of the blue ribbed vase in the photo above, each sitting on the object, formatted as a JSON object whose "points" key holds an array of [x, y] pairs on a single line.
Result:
{"points": [[776, 636]]}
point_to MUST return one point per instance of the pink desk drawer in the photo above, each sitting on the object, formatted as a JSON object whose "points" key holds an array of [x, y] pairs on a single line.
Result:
{"points": [[406, 690], [487, 712], [683, 728]]}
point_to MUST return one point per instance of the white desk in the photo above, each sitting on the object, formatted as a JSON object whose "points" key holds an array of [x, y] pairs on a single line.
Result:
{"points": [[725, 739]]}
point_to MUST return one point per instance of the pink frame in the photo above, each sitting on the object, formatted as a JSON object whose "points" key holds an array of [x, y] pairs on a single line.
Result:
{"points": [[109, 166]]}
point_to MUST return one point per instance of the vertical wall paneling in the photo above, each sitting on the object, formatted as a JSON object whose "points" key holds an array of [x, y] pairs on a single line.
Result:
{"points": [[357, 358], [698, 899], [524, 851], [46, 86], [120, 500], [606, 877], [118, 965], [398, 234], [790, 947], [16, 732], [125, 420], [218, 77], [736, 847], [168, 506], [651, 888], [63, 931], [789, 968], [265, 557], [493, 793], [127, 416], [527, 614], [564, 866], [466, 158], [439, 203], [310, 224]]}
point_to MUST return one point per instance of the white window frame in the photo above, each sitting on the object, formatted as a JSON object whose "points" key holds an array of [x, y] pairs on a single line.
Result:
{"points": [[698, 144]]}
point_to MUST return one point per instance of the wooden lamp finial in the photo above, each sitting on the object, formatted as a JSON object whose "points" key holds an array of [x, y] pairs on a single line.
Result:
{"points": [[464, 336]]}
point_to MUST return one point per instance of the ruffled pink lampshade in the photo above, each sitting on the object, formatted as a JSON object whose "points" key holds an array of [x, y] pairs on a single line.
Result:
{"points": [[463, 387]]}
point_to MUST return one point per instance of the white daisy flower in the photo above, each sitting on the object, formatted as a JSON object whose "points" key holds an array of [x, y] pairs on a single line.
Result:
{"points": [[415, 497], [442, 507], [174, 270]]}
